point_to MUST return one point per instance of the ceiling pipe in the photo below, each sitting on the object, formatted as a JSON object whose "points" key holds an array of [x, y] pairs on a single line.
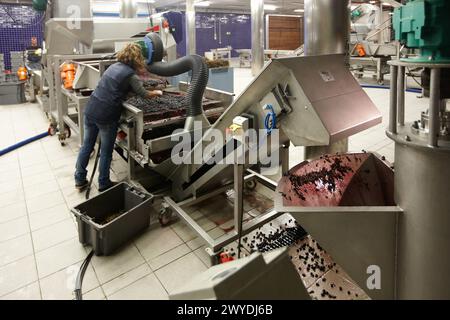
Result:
{"points": [[128, 9]]}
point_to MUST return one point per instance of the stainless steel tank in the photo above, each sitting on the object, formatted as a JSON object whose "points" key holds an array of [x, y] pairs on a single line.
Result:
{"points": [[422, 176], [327, 26]]}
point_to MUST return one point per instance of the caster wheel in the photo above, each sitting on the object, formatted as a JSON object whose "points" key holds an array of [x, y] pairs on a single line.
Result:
{"points": [[67, 132], [251, 185], [51, 130], [165, 217]]}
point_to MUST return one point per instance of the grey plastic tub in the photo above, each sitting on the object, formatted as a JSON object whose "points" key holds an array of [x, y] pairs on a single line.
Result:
{"points": [[134, 208]]}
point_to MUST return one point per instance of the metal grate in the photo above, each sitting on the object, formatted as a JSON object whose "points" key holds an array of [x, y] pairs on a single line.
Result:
{"points": [[18, 24]]}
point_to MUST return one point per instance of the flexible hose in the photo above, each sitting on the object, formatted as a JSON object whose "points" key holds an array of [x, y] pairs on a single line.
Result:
{"points": [[199, 79], [270, 122], [80, 276], [23, 143], [372, 86]]}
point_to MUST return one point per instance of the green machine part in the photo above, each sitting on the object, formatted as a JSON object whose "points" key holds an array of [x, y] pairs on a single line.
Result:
{"points": [[40, 5], [425, 25]]}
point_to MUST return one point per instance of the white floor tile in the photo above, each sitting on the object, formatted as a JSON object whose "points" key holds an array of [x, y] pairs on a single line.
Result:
{"points": [[14, 228], [126, 279], [17, 275], [204, 256], [12, 212], [61, 285], [180, 272], [95, 294], [56, 233], [12, 197], [110, 267], [41, 189], [37, 179], [9, 167], [10, 176], [15, 249], [8, 186], [59, 257], [168, 257], [49, 216], [198, 242], [147, 288], [42, 168], [157, 241], [30, 161], [183, 231], [29, 292], [45, 201]]}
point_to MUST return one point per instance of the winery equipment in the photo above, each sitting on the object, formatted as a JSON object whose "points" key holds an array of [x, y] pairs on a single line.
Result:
{"points": [[85, 41], [316, 101], [389, 231], [254, 277]]}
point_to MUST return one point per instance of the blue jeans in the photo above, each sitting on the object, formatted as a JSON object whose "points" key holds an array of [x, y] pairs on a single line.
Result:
{"points": [[108, 133]]}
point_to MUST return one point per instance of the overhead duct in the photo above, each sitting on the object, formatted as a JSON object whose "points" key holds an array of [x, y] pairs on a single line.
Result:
{"points": [[327, 27], [327, 31], [128, 9]]}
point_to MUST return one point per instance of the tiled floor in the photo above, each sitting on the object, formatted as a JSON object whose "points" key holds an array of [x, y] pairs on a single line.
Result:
{"points": [[39, 249]]}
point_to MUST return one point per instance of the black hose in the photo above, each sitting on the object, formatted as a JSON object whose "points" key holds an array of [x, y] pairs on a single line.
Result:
{"points": [[80, 276], [199, 79]]}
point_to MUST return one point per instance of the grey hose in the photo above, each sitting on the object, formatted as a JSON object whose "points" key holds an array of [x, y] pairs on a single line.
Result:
{"points": [[199, 79]]}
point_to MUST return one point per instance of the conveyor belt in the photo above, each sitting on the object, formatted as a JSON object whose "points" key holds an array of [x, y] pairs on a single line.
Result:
{"points": [[170, 108]]}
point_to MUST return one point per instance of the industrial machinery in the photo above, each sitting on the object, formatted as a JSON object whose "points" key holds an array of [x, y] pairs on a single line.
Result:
{"points": [[371, 46], [389, 231], [83, 41], [303, 91], [90, 44], [243, 280]]}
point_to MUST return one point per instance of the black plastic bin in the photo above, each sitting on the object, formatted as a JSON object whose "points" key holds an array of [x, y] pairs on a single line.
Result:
{"points": [[134, 208]]}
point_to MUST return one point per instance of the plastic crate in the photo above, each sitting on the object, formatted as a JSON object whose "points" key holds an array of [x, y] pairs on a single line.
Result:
{"points": [[134, 208]]}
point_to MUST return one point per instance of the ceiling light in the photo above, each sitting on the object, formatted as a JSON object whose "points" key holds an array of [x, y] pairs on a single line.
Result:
{"points": [[270, 7], [202, 4]]}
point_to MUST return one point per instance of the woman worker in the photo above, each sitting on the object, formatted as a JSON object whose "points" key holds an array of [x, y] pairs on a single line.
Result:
{"points": [[102, 113]]}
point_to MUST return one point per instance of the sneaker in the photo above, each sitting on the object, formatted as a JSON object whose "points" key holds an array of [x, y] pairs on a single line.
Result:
{"points": [[108, 187], [81, 186]]}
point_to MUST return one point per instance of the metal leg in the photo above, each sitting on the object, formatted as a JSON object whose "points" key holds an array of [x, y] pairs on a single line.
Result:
{"points": [[401, 96], [238, 202], [435, 103], [379, 71], [393, 101], [131, 146], [285, 158]]}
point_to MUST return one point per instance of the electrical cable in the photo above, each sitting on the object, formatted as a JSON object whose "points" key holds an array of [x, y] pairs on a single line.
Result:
{"points": [[80, 276], [413, 77], [270, 122]]}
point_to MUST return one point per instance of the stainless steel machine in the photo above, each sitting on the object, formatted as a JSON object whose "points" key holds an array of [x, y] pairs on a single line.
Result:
{"points": [[316, 101], [243, 280], [371, 45], [387, 227]]}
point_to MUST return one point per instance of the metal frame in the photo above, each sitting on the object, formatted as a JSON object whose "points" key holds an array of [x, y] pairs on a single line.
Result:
{"points": [[397, 99], [215, 246], [139, 150], [379, 63], [59, 97]]}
